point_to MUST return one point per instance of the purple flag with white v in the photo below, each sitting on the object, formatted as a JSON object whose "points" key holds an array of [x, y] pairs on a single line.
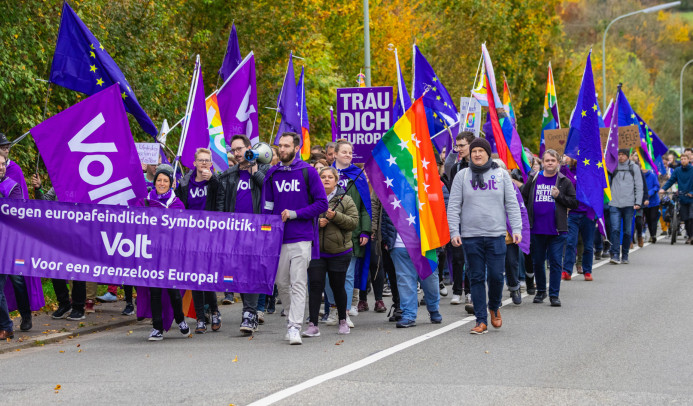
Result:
{"points": [[197, 135], [237, 99], [232, 58], [89, 152]]}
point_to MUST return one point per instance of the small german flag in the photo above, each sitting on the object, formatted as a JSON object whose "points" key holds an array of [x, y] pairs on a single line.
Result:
{"points": [[266, 227]]}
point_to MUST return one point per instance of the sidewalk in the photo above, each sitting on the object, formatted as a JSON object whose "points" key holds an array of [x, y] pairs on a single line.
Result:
{"points": [[47, 330]]}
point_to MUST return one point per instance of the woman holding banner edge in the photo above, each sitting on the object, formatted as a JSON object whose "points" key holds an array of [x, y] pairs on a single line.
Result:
{"points": [[162, 196]]}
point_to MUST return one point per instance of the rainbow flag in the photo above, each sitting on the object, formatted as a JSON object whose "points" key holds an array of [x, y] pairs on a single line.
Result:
{"points": [[513, 139], [217, 143], [403, 173], [303, 111], [551, 120], [480, 92], [189, 305], [498, 130], [361, 79]]}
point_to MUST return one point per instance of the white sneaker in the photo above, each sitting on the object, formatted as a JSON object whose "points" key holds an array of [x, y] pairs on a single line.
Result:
{"points": [[456, 299], [354, 311], [468, 298], [523, 286], [295, 336], [443, 290], [332, 318], [349, 323], [261, 317]]}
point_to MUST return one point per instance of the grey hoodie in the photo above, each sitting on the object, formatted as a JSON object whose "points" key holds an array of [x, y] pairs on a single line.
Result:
{"points": [[481, 213], [626, 189]]}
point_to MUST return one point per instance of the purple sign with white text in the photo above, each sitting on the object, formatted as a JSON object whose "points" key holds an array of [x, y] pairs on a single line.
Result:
{"points": [[364, 115], [152, 247]]}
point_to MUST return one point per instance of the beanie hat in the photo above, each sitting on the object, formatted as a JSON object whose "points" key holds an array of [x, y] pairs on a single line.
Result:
{"points": [[165, 170], [480, 143]]}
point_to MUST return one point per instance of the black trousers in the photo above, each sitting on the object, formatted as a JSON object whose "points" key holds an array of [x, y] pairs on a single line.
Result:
{"points": [[376, 278], [176, 303], [21, 295], [389, 267], [651, 215], [336, 267], [458, 281], [200, 299], [62, 293], [512, 266]]}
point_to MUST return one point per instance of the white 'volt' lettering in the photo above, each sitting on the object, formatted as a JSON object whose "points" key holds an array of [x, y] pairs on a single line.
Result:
{"points": [[285, 186], [127, 247]]}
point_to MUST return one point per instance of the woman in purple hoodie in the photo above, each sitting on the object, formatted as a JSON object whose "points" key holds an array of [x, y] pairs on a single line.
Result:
{"points": [[162, 196]]}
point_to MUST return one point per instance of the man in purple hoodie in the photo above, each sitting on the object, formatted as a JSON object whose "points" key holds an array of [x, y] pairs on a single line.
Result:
{"points": [[293, 190]]}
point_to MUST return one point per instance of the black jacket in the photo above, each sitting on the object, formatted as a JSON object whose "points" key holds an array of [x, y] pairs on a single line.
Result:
{"points": [[226, 186], [566, 200]]}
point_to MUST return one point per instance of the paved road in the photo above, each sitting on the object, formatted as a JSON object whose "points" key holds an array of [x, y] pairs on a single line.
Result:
{"points": [[623, 339]]}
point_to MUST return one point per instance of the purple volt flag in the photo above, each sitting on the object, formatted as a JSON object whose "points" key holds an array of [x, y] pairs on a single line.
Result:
{"points": [[364, 115], [90, 154], [237, 99], [196, 132], [233, 55], [81, 63], [141, 246], [288, 103]]}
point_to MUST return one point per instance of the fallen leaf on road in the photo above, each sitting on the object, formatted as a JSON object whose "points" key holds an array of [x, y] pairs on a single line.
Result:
{"points": [[18, 349], [250, 338], [78, 345], [61, 351], [57, 387], [46, 324], [79, 350], [339, 342], [486, 352], [70, 337], [235, 359]]}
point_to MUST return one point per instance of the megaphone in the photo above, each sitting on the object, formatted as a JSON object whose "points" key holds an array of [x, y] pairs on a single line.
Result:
{"points": [[261, 152]]}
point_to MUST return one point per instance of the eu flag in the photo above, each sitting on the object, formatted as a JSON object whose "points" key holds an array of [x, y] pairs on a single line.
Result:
{"points": [[585, 125], [82, 64], [440, 109]]}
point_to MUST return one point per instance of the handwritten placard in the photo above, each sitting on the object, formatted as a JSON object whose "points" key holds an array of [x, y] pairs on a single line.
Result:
{"points": [[628, 137], [148, 152], [556, 139]]}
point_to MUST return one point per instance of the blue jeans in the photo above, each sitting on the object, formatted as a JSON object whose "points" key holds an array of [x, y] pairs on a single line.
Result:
{"points": [[550, 246], [5, 321], [407, 279], [618, 215], [485, 260], [579, 223]]}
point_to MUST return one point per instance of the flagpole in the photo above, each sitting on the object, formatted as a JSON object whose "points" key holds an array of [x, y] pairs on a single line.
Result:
{"points": [[276, 113], [45, 109], [471, 92], [413, 68], [188, 111]]}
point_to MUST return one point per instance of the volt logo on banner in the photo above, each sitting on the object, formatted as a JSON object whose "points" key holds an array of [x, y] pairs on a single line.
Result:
{"points": [[90, 154]]}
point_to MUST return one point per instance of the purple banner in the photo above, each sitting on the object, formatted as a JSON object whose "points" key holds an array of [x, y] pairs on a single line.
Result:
{"points": [[89, 152], [364, 115], [183, 249]]}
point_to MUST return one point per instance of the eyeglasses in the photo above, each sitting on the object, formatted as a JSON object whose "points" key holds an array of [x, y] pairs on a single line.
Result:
{"points": [[460, 146], [204, 161], [5, 147], [239, 149]]}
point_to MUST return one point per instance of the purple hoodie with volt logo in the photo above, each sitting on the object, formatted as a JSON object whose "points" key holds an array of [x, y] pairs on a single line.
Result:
{"points": [[285, 188]]}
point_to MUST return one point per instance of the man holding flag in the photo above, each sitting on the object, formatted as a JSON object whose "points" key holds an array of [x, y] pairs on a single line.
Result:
{"points": [[404, 176]]}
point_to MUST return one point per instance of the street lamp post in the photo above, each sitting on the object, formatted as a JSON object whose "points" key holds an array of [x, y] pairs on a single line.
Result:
{"points": [[646, 10], [366, 43], [681, 99]]}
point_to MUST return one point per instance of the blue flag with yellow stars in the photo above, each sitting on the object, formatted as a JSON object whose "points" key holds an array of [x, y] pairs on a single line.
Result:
{"points": [[82, 64], [584, 125], [441, 112]]}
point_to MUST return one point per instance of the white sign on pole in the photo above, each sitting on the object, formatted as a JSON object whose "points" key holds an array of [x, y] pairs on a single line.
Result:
{"points": [[470, 107], [148, 152]]}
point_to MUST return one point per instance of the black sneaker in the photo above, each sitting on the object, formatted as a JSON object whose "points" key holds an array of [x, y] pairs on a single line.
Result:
{"points": [[555, 301], [615, 260], [26, 324], [201, 327], [598, 255], [406, 323], [539, 298], [516, 296], [249, 323], [156, 335], [216, 321], [469, 308], [625, 261], [62, 312], [183, 327], [395, 314], [129, 310], [76, 315]]}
